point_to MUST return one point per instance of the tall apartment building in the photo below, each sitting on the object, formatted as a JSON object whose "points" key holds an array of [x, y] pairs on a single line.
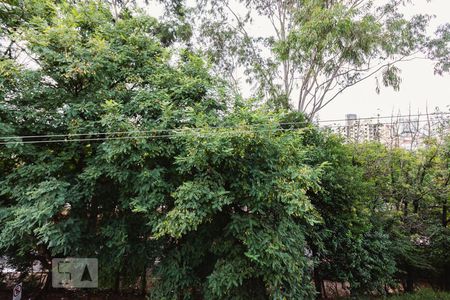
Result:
{"points": [[407, 133], [355, 130]]}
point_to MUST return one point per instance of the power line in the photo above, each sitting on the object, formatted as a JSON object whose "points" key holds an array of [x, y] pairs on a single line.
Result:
{"points": [[191, 131], [388, 117], [357, 124], [177, 130], [172, 135], [148, 136], [214, 127]]}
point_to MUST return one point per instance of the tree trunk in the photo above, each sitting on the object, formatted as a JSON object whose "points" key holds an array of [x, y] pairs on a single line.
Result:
{"points": [[318, 283], [117, 283], [409, 288], [318, 280], [405, 209], [416, 206], [444, 214], [144, 281]]}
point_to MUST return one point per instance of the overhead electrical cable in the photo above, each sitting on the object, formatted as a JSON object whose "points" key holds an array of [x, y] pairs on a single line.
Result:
{"points": [[113, 135]]}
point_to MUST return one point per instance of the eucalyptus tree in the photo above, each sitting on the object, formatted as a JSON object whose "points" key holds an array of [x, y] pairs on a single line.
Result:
{"points": [[304, 54]]}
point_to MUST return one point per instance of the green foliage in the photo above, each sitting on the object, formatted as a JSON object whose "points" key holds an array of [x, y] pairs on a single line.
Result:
{"points": [[239, 216], [141, 190], [423, 294], [318, 49], [350, 245], [92, 75], [118, 146], [414, 197]]}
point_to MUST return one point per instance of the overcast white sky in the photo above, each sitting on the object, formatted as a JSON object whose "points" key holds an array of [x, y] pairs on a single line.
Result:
{"points": [[420, 87]]}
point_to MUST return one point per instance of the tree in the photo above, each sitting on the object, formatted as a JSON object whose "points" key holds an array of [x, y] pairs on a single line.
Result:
{"points": [[412, 186], [93, 77], [240, 218], [114, 148], [317, 49], [119, 145], [350, 245]]}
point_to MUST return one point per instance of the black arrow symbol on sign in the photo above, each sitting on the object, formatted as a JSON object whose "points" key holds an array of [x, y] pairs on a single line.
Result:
{"points": [[86, 275]]}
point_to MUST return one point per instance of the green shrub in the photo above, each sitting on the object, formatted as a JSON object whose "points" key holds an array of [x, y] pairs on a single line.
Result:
{"points": [[425, 294]]}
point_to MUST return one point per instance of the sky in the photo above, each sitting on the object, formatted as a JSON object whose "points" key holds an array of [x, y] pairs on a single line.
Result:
{"points": [[420, 88]]}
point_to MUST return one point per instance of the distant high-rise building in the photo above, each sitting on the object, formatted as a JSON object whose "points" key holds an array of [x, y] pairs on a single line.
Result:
{"points": [[355, 130], [351, 119], [406, 133]]}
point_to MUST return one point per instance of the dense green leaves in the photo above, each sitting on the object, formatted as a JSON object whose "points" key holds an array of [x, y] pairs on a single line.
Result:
{"points": [[414, 192], [132, 185], [120, 146], [95, 77]]}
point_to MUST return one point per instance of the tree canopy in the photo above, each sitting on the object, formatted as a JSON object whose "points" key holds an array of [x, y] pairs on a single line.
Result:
{"points": [[311, 51], [119, 142]]}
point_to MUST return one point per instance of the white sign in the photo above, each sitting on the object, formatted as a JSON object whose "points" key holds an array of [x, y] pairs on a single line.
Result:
{"points": [[17, 292], [72, 273]]}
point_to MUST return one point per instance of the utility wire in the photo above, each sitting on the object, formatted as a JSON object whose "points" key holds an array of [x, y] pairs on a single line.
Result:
{"points": [[177, 131], [148, 136], [190, 131], [387, 117], [215, 127], [210, 127], [357, 124]]}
